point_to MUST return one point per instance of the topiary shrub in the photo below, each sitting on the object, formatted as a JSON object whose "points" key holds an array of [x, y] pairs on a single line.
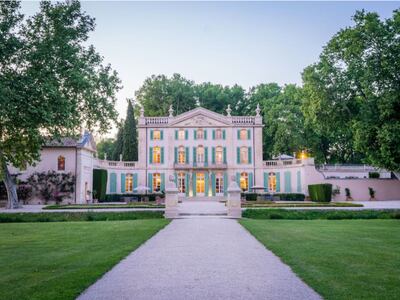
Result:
{"points": [[373, 175], [320, 192]]}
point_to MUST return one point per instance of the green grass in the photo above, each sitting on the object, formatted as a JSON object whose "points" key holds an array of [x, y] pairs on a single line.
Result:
{"points": [[79, 216], [60, 260], [105, 206], [347, 259], [272, 204]]}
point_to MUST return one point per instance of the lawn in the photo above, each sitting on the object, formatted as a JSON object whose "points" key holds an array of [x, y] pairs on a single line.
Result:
{"points": [[341, 259], [59, 260], [266, 204], [106, 206]]}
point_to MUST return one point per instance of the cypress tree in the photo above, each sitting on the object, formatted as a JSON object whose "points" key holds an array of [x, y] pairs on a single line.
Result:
{"points": [[118, 143], [130, 144]]}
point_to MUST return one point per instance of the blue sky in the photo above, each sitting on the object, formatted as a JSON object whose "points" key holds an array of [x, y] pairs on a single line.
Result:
{"points": [[223, 42]]}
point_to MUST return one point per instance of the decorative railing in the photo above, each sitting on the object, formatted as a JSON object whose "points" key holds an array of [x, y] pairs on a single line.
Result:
{"points": [[198, 165], [347, 167], [283, 163], [245, 120], [116, 164], [156, 120]]}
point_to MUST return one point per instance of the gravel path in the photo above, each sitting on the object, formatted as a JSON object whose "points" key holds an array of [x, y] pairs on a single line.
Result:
{"points": [[203, 258]]}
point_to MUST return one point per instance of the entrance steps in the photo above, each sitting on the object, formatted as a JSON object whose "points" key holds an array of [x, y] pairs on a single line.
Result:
{"points": [[195, 209], [202, 199]]}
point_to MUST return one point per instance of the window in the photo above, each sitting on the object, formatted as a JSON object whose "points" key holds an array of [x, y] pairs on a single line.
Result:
{"points": [[218, 134], [156, 182], [129, 183], [181, 182], [156, 135], [200, 134], [219, 155], [156, 155], [61, 163], [244, 181], [272, 182], [181, 134], [200, 154], [244, 155], [200, 183], [181, 155], [243, 134], [219, 183]]}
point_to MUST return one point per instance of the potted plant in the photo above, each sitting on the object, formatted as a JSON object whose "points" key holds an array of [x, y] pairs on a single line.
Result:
{"points": [[348, 194], [371, 193]]}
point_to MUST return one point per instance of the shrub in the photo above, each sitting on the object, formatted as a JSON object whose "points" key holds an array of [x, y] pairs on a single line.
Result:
{"points": [[347, 191], [100, 184], [249, 196], [139, 197], [291, 197], [267, 196], [373, 175], [371, 192], [24, 192], [320, 192]]}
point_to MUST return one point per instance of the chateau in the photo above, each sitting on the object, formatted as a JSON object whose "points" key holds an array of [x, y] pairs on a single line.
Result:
{"points": [[203, 151]]}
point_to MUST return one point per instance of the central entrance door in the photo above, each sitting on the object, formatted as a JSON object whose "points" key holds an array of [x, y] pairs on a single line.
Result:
{"points": [[200, 184]]}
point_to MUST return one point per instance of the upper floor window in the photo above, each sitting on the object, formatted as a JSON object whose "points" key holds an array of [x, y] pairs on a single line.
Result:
{"points": [[200, 134], [156, 155], [218, 134], [219, 155], [61, 163], [181, 134], [200, 154], [181, 155], [181, 183], [244, 155], [129, 183], [156, 135], [156, 182], [244, 181], [243, 134]]}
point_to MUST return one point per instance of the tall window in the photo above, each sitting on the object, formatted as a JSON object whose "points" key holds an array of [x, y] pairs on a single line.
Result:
{"points": [[244, 155], [156, 135], [129, 183], [200, 183], [181, 182], [219, 155], [244, 181], [219, 183], [243, 134], [200, 154], [181, 155], [272, 182], [61, 163], [200, 134], [181, 134], [156, 155], [156, 182], [218, 134]]}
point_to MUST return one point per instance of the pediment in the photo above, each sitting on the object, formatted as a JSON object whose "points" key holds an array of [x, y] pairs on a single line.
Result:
{"points": [[199, 117]]}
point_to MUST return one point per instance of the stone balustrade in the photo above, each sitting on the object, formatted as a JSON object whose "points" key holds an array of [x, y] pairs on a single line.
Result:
{"points": [[243, 120], [116, 164]]}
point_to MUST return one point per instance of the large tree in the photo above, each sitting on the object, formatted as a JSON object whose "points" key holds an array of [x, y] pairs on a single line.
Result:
{"points": [[130, 143], [105, 148], [353, 92], [51, 82], [119, 142]]}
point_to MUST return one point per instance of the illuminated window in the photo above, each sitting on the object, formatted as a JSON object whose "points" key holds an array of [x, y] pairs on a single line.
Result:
{"points": [[181, 134], [181, 155], [243, 134], [156, 182], [200, 183], [244, 155], [219, 155], [156, 155], [129, 183], [61, 163], [181, 183], [244, 181], [199, 134], [272, 182], [200, 154], [218, 134], [156, 135], [219, 183]]}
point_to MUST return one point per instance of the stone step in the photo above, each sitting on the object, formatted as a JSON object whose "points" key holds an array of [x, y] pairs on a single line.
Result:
{"points": [[204, 214]]}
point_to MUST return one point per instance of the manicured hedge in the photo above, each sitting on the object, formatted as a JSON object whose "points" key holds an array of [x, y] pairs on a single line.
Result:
{"points": [[279, 197], [289, 214], [78, 216], [320, 192], [99, 184], [139, 197]]}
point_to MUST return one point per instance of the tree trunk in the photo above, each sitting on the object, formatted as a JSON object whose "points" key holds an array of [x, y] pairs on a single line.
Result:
{"points": [[12, 197]]}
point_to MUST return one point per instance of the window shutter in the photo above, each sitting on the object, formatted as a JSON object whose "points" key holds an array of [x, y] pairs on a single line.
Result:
{"points": [[194, 184], [151, 155], [213, 155], [150, 182], [225, 183], [187, 184], [162, 187], [161, 134], [278, 182], [151, 134], [238, 155], [288, 183], [248, 134], [265, 181], [250, 181], [195, 134], [223, 134], [176, 134], [213, 183], [224, 157], [135, 181], [206, 188], [176, 154], [213, 134], [298, 181], [205, 134], [250, 154], [176, 179], [113, 183], [162, 155], [122, 183], [238, 178], [206, 156], [186, 134], [194, 155], [238, 134], [187, 154]]}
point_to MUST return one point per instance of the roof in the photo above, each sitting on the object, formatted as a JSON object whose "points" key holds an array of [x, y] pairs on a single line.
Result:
{"points": [[85, 141]]}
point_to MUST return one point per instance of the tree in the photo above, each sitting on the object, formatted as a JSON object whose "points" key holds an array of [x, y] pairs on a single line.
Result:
{"points": [[119, 142], [130, 143], [106, 148], [51, 83]]}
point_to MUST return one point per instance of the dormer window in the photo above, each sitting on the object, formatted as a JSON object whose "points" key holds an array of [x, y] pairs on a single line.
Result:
{"points": [[200, 134]]}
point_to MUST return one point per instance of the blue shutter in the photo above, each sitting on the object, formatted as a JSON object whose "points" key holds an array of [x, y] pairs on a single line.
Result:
{"points": [[225, 183], [238, 134], [176, 134], [248, 134], [265, 181], [186, 134], [135, 182], [113, 183], [238, 155], [176, 154], [250, 154], [151, 155], [162, 187], [150, 182], [194, 156], [162, 155], [151, 134], [278, 182], [194, 184], [161, 134], [223, 134], [187, 155], [250, 181], [224, 155], [205, 134], [213, 134], [195, 134], [213, 155], [288, 183], [238, 178], [298, 181], [206, 188], [212, 183], [122, 183], [187, 184], [176, 179], [206, 156]]}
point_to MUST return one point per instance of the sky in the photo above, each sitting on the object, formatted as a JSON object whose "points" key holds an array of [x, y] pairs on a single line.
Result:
{"points": [[228, 43]]}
